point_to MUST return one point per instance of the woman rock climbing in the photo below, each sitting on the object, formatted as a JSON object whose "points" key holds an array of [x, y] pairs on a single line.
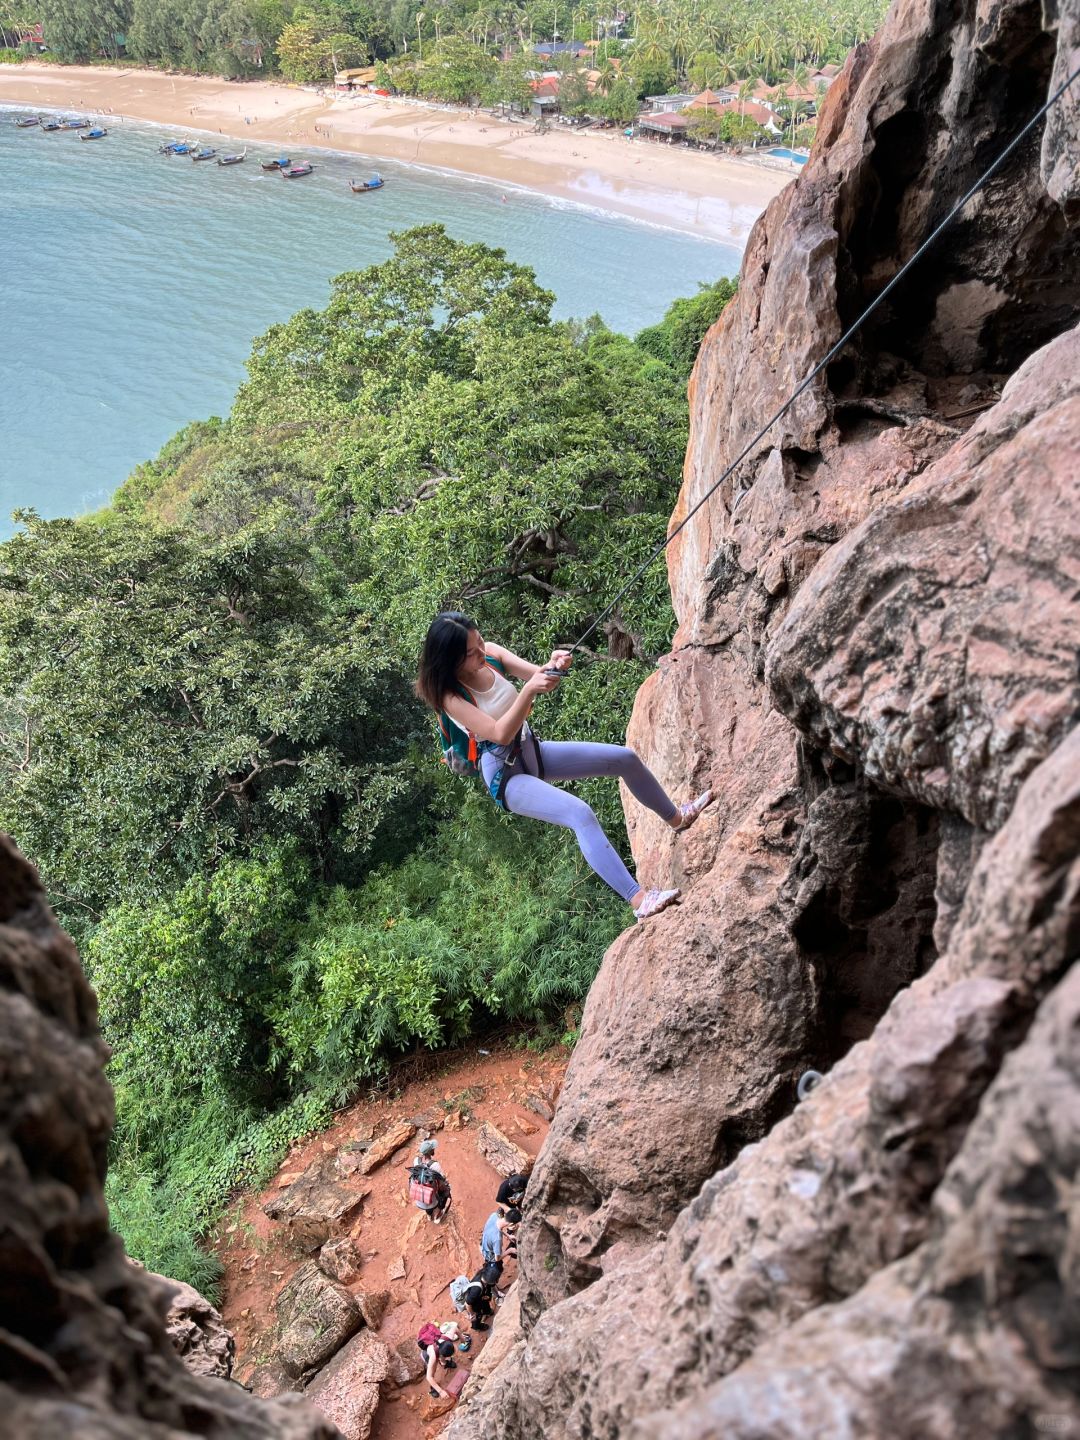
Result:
{"points": [[484, 716]]}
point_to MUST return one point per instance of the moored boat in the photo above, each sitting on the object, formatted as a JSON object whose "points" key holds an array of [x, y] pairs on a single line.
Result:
{"points": [[295, 171], [74, 124], [97, 133], [205, 154], [231, 159], [26, 121], [282, 163], [51, 125], [375, 183]]}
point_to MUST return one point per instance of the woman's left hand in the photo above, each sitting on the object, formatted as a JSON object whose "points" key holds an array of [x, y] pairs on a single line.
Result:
{"points": [[560, 660]]}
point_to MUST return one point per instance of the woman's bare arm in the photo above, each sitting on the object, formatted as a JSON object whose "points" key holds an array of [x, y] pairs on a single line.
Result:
{"points": [[519, 668], [522, 669]]}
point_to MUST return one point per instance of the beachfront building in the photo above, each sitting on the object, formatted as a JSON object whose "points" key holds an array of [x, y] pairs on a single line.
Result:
{"points": [[667, 104], [355, 78], [712, 100], [545, 96], [668, 126]]}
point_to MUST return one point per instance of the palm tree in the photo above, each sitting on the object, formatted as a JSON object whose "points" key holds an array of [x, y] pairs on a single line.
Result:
{"points": [[770, 55], [606, 77]]}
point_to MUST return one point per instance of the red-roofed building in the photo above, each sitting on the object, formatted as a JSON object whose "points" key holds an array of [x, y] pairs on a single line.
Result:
{"points": [[670, 126]]}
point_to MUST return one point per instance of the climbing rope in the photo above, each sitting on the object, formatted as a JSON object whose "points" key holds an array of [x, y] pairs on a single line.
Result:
{"points": [[853, 330]]}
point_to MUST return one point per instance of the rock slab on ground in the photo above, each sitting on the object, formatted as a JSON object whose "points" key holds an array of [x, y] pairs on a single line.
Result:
{"points": [[318, 1205], [500, 1152], [347, 1390], [315, 1318]]}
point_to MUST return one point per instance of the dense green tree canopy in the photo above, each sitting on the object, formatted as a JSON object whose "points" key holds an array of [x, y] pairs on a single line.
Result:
{"points": [[167, 701]]}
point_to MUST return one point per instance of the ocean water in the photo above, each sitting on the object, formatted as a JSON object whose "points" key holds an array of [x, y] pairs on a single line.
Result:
{"points": [[135, 283]]}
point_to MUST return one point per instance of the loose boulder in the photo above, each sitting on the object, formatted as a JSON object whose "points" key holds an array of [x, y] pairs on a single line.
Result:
{"points": [[315, 1318], [347, 1390]]}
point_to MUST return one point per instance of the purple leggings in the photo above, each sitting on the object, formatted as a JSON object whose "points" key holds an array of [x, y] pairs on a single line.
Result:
{"points": [[525, 794]]}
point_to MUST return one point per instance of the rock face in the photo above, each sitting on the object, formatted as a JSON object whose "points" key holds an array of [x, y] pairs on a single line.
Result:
{"points": [[876, 669], [83, 1346], [196, 1330]]}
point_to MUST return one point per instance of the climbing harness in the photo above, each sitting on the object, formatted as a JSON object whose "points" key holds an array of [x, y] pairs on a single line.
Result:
{"points": [[852, 330]]}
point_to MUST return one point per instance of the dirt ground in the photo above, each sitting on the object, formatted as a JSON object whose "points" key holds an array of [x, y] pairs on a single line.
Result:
{"points": [[451, 1101]]}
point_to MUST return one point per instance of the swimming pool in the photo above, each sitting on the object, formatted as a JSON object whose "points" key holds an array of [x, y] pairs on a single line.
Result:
{"points": [[783, 154]]}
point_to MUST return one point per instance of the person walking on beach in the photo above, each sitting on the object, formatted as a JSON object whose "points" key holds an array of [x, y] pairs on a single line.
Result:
{"points": [[465, 681]]}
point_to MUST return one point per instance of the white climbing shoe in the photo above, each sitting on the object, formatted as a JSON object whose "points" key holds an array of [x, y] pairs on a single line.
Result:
{"points": [[691, 809], [655, 901]]}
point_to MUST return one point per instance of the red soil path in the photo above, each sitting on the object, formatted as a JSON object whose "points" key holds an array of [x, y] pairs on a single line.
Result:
{"points": [[468, 1088]]}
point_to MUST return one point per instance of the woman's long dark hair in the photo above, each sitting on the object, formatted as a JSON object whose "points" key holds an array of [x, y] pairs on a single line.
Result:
{"points": [[444, 650]]}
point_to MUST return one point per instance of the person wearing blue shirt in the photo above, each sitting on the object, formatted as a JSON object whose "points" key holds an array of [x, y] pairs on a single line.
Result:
{"points": [[498, 1225]]}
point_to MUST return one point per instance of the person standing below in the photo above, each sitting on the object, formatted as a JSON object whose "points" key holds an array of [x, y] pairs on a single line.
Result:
{"points": [[511, 1193], [497, 1240], [429, 1188], [478, 1293], [465, 679]]}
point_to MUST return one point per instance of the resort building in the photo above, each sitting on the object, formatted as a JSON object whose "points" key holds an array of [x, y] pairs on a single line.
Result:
{"points": [[668, 126], [548, 48], [666, 104]]}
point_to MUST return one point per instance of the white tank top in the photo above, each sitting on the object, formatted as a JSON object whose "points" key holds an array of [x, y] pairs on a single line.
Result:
{"points": [[497, 699]]}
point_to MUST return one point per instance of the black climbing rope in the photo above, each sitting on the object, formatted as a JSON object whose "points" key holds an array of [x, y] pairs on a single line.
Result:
{"points": [[919, 253]]}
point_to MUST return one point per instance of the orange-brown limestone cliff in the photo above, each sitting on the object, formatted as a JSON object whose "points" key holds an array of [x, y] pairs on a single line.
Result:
{"points": [[876, 668]]}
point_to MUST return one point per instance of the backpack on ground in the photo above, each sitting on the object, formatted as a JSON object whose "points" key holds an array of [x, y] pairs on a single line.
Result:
{"points": [[458, 1289], [424, 1187]]}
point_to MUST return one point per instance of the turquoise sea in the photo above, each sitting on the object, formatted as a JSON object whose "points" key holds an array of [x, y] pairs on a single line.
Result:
{"points": [[135, 283]]}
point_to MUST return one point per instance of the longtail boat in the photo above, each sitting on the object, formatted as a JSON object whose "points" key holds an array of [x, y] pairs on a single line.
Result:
{"points": [[281, 164], [205, 154], [74, 124], [232, 159], [97, 133], [375, 183], [51, 125], [295, 171], [27, 121]]}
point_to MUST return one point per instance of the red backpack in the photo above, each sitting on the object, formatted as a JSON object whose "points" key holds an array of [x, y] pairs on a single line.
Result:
{"points": [[429, 1335], [423, 1187]]}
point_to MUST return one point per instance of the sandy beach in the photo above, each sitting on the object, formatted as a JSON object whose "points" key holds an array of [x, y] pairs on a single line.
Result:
{"points": [[714, 197]]}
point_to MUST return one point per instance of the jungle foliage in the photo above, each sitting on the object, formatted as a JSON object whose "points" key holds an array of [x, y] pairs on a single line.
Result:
{"points": [[208, 740]]}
